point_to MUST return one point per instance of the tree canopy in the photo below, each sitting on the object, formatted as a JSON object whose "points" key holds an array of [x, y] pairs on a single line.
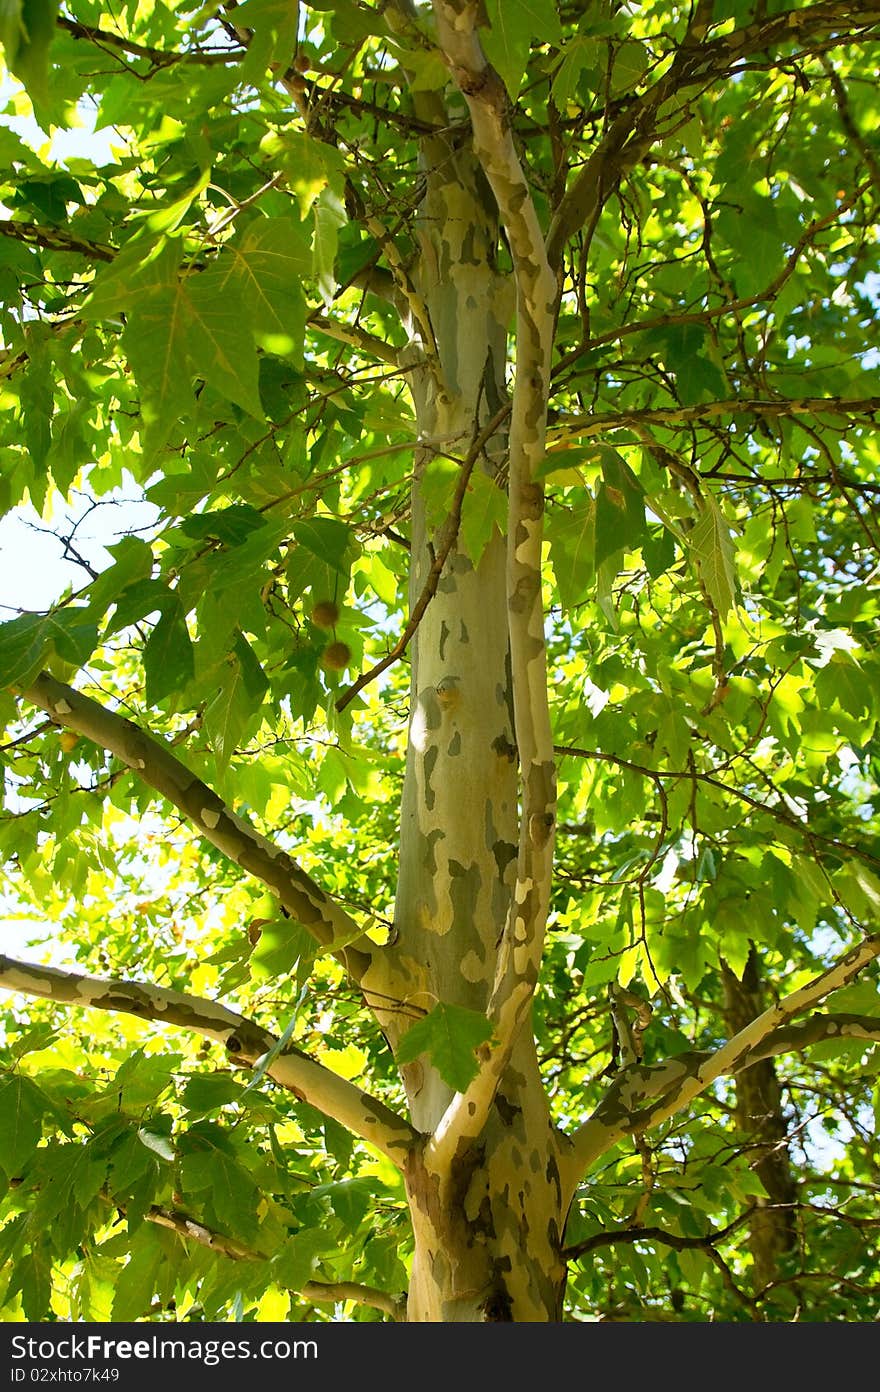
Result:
{"points": [[533, 338]]}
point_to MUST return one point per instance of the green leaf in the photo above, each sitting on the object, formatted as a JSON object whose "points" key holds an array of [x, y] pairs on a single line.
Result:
{"points": [[140, 1081], [757, 229], [27, 28], [156, 345], [449, 1035], [484, 512], [631, 62], [571, 533], [514, 24], [220, 343], [274, 25], [31, 1276], [205, 1092], [231, 525], [157, 1143], [169, 662], [22, 648], [132, 560], [72, 638], [712, 545], [684, 348], [330, 215], [580, 54], [37, 396], [281, 945], [133, 1168], [135, 1284], [236, 706], [326, 538], [270, 264], [296, 1263], [22, 1107], [620, 508], [12, 29], [232, 1196], [140, 599]]}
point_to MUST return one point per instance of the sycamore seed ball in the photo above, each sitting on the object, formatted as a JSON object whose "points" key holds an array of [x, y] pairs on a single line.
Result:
{"points": [[325, 614], [336, 657]]}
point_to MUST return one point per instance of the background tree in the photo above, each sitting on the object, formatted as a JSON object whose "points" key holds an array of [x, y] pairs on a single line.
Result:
{"points": [[459, 800]]}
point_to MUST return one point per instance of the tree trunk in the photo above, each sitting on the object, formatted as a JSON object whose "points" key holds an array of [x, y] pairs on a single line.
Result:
{"points": [[488, 1231], [488, 1226]]}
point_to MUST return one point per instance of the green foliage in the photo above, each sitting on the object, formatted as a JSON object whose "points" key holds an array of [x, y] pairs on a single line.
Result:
{"points": [[450, 1037], [197, 318]]}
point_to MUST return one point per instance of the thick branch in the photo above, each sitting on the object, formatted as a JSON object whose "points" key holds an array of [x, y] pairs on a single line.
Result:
{"points": [[818, 1029], [53, 239], [355, 337], [244, 1041], [432, 580], [151, 759], [319, 1292], [679, 1080], [582, 427], [627, 1236]]}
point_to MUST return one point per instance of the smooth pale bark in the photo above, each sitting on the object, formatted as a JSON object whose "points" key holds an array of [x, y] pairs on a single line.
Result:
{"points": [[488, 1212]]}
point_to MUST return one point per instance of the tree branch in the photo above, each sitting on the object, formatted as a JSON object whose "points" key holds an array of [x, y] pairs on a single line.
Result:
{"points": [[632, 133], [582, 427], [245, 1043], [321, 1291], [679, 1243], [680, 1079], [151, 759], [53, 239], [316, 1292], [777, 813], [355, 337], [160, 58]]}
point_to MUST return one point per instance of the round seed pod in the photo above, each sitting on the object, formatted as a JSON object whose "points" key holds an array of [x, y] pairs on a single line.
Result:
{"points": [[325, 614], [336, 657]]}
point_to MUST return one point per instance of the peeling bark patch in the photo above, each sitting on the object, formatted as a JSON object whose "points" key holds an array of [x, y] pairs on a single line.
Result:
{"points": [[209, 817], [464, 890], [429, 761], [444, 639], [472, 967], [498, 1309], [551, 1174], [504, 852], [540, 827], [453, 749], [430, 861], [507, 1112], [448, 694], [503, 747]]}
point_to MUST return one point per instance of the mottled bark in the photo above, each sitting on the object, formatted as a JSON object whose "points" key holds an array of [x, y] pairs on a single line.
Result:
{"points": [[488, 1226], [485, 1193], [459, 808]]}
